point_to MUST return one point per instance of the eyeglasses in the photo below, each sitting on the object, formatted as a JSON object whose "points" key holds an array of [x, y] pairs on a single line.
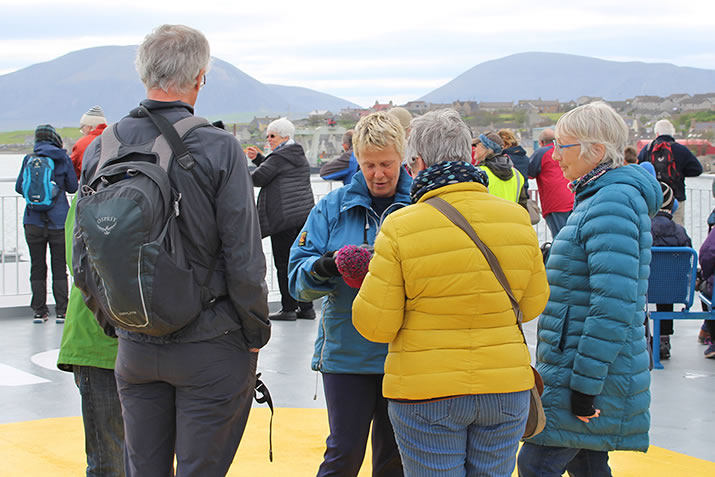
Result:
{"points": [[270, 136], [559, 147], [203, 81]]}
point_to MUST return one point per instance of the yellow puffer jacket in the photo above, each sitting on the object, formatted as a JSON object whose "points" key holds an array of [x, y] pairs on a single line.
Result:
{"points": [[431, 294]]}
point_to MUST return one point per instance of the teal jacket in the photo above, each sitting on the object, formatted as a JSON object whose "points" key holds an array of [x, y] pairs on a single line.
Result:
{"points": [[343, 217], [83, 340], [591, 337]]}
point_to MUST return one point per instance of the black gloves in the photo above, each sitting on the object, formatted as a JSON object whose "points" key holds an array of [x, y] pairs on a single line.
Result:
{"points": [[325, 265], [582, 404]]}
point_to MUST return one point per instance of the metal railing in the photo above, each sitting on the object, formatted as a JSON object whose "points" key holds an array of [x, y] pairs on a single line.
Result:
{"points": [[15, 264]]}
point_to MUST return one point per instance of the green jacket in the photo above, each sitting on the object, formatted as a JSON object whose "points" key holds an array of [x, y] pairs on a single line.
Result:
{"points": [[83, 340]]}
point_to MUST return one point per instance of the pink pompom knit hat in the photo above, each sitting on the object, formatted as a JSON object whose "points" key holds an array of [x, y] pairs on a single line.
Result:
{"points": [[352, 262]]}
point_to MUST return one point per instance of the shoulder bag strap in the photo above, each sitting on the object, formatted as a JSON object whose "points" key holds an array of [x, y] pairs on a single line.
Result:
{"points": [[458, 219]]}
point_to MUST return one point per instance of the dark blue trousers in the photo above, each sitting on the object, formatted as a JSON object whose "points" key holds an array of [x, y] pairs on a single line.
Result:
{"points": [[354, 402], [544, 461], [188, 399]]}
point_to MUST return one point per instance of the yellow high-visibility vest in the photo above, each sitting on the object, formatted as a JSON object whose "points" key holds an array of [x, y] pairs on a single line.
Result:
{"points": [[509, 189]]}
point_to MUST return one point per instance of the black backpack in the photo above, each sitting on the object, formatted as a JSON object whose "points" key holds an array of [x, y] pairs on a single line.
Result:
{"points": [[131, 257], [661, 156]]}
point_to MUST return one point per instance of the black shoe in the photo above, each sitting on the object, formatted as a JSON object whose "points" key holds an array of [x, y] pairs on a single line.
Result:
{"points": [[39, 318], [60, 318], [283, 316], [307, 314], [665, 347]]}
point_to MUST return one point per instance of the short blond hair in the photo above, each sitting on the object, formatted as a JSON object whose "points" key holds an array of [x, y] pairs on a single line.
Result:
{"points": [[378, 131]]}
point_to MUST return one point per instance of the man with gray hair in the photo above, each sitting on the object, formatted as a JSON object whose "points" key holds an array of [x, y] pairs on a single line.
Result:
{"points": [[673, 162], [188, 394]]}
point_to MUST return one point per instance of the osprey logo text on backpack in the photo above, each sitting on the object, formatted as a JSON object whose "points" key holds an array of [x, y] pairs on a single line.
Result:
{"points": [[132, 257], [664, 163], [38, 186]]}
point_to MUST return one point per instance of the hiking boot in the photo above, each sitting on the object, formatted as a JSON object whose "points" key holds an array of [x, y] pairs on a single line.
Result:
{"points": [[710, 351], [307, 314], [283, 316], [60, 318], [704, 336], [39, 318], [665, 347]]}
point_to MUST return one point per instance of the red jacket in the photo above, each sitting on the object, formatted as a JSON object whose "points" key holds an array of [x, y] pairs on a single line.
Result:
{"points": [[81, 145], [554, 193]]}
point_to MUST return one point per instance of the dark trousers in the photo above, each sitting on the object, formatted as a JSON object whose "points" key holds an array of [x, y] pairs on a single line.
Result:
{"points": [[188, 399], [709, 324], [543, 461], [354, 401], [102, 418], [666, 326], [38, 238], [281, 243], [556, 221]]}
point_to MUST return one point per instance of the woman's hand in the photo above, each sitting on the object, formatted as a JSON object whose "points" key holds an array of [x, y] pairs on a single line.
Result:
{"points": [[588, 418], [251, 152]]}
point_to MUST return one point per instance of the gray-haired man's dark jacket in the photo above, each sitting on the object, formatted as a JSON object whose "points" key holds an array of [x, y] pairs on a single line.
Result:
{"points": [[223, 217]]}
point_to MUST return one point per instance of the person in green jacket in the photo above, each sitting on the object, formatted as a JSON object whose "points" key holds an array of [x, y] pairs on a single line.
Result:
{"points": [[88, 353]]}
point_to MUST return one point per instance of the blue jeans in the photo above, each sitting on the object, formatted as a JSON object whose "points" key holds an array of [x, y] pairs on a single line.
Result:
{"points": [[544, 461], [466, 435], [555, 221], [103, 424]]}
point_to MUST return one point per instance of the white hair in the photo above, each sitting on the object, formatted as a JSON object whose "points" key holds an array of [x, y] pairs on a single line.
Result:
{"points": [[439, 136], [596, 123], [171, 57], [282, 127], [664, 127]]}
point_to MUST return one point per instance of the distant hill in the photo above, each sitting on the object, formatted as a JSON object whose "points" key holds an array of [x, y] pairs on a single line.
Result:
{"points": [[61, 90], [565, 77]]}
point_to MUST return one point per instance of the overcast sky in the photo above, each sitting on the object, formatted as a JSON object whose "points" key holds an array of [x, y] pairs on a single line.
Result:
{"points": [[370, 50]]}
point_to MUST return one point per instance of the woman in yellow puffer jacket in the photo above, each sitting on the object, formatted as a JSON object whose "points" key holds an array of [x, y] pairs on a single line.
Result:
{"points": [[458, 372]]}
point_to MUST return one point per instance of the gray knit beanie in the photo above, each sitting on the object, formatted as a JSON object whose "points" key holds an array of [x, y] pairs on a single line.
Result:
{"points": [[94, 117]]}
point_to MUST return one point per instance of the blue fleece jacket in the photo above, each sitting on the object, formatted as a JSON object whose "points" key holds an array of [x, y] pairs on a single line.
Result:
{"points": [[343, 217]]}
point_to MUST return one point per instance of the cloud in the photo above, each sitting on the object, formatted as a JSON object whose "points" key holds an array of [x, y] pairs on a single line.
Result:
{"points": [[374, 47]]}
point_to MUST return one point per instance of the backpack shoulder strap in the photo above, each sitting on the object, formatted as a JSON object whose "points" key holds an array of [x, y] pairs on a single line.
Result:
{"points": [[110, 145], [182, 127]]}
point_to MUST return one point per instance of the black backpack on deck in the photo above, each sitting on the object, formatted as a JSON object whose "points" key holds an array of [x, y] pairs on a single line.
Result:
{"points": [[132, 259]]}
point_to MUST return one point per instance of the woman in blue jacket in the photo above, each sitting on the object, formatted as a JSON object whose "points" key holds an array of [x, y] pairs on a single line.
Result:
{"points": [[46, 227], [591, 348], [352, 367]]}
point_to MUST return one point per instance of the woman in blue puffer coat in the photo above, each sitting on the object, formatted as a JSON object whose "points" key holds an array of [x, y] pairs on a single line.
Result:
{"points": [[591, 348]]}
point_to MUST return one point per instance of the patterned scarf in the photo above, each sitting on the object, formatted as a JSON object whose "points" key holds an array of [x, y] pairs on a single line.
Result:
{"points": [[445, 173], [589, 177]]}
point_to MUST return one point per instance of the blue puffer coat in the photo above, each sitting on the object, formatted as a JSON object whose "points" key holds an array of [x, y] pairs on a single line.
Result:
{"points": [[591, 337], [343, 217]]}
